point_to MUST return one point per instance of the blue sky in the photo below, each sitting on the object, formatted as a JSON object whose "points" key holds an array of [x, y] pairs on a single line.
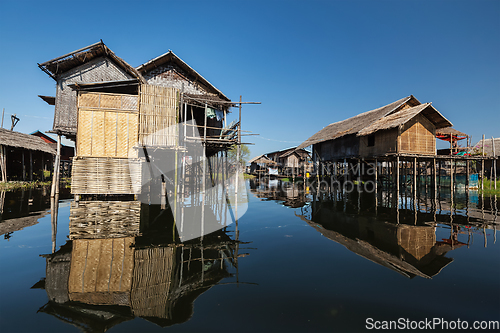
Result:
{"points": [[310, 63]]}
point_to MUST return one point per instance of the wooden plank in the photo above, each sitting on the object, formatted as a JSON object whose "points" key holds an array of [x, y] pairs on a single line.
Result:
{"points": [[90, 274], [78, 261], [128, 264], [104, 267], [117, 266]]}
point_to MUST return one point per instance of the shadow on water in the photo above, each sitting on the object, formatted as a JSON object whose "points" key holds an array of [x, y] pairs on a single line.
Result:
{"points": [[124, 259], [403, 233]]}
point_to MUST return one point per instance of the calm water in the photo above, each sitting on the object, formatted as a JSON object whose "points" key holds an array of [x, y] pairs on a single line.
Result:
{"points": [[300, 260]]}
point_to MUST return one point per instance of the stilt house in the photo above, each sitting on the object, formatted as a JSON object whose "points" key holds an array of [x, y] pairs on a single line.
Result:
{"points": [[405, 126], [114, 111]]}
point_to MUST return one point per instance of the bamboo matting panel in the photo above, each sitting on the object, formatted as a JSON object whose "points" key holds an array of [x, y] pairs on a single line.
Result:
{"points": [[104, 219], [158, 113], [97, 175], [98, 100], [418, 137], [108, 125], [105, 133], [151, 282], [100, 266]]}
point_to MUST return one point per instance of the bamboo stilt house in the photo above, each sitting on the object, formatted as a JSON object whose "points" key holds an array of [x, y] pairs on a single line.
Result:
{"points": [[405, 126], [113, 111]]}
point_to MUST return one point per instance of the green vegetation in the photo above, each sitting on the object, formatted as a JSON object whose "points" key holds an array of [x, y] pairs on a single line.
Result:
{"points": [[247, 176], [11, 186], [486, 188], [233, 152]]}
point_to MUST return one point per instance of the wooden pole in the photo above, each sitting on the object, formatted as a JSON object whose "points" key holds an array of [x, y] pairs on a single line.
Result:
{"points": [[24, 166], [397, 180], [3, 164], [435, 178], [467, 175], [31, 165], [451, 175], [494, 164], [57, 162], [3, 113]]}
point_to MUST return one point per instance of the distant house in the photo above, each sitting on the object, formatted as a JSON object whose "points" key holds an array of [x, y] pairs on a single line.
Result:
{"points": [[291, 161], [490, 145], [24, 157], [67, 152], [405, 126]]}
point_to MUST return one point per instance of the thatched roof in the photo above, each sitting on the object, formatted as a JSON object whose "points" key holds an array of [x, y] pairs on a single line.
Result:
{"points": [[261, 159], [371, 121], [171, 57], [26, 141], [449, 131], [302, 153], [79, 57], [401, 117], [488, 147]]}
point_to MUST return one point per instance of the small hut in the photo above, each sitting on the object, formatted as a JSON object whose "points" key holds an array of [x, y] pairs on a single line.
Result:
{"points": [[489, 148], [452, 136], [405, 126], [67, 152], [259, 164], [24, 157]]}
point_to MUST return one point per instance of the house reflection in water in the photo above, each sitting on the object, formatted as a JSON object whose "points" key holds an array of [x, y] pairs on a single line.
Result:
{"points": [[403, 240], [124, 260], [288, 193], [411, 250]]}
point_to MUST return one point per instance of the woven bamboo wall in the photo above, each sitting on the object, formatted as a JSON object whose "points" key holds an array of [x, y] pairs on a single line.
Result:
{"points": [[107, 125], [97, 175], [104, 219], [151, 282], [418, 136], [101, 271], [158, 113]]}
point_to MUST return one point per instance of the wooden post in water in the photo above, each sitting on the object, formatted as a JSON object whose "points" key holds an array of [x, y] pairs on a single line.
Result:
{"points": [[467, 175], [57, 162], [482, 164], [494, 164], [24, 166], [397, 184], [31, 165], [3, 163]]}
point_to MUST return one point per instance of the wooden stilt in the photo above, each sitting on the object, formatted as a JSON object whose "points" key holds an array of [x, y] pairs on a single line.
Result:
{"points": [[3, 163], [24, 165], [31, 165], [57, 162], [467, 175], [494, 164], [397, 183]]}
